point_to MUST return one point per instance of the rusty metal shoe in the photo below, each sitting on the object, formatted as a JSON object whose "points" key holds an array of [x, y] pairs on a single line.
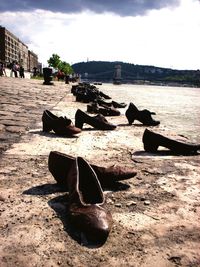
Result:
{"points": [[118, 105], [86, 202], [60, 163], [99, 122], [105, 111], [60, 125], [144, 116], [153, 140]]}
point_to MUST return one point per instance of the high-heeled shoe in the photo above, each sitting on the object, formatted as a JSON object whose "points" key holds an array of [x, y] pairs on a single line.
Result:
{"points": [[118, 105], [153, 140], [104, 95], [98, 122], [144, 116], [60, 125], [104, 102], [60, 163], [105, 111]]}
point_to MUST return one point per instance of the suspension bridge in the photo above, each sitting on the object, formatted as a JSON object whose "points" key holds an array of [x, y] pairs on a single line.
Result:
{"points": [[117, 76]]}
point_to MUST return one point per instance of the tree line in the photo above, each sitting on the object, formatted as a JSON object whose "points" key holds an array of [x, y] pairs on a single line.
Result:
{"points": [[133, 73], [103, 70]]}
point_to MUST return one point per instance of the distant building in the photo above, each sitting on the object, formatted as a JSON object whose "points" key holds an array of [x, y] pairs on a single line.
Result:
{"points": [[13, 49], [32, 60]]}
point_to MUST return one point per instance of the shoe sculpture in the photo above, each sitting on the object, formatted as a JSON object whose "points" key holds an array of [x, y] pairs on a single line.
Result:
{"points": [[86, 93], [144, 116], [60, 163], [103, 102], [86, 202], [105, 111], [153, 140], [60, 125], [98, 122], [104, 95], [118, 105]]}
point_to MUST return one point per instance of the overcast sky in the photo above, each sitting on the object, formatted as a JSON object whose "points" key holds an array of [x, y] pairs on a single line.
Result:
{"points": [[163, 33]]}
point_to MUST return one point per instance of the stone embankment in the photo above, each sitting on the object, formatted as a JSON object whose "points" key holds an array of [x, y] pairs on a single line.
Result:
{"points": [[156, 214], [22, 102]]}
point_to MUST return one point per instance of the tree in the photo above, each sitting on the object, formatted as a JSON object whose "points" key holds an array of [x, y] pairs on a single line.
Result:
{"points": [[55, 62], [65, 67]]}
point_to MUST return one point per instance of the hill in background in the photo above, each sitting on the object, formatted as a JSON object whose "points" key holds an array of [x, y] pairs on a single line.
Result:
{"points": [[130, 73]]}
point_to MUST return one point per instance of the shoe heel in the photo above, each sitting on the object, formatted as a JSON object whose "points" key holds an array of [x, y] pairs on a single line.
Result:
{"points": [[131, 121], [150, 148], [80, 118], [79, 124], [130, 116], [46, 127]]}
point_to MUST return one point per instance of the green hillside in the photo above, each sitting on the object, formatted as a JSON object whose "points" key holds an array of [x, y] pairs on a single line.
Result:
{"points": [[131, 73]]}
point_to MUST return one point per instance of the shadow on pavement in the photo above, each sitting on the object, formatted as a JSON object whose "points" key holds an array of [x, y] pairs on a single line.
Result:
{"points": [[61, 207], [51, 134], [48, 189], [45, 189], [161, 153]]}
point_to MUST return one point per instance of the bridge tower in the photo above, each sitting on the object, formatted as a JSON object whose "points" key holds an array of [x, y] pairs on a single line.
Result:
{"points": [[117, 75]]}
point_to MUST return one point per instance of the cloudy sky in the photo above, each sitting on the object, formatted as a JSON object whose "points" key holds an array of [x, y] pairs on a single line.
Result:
{"points": [[163, 33]]}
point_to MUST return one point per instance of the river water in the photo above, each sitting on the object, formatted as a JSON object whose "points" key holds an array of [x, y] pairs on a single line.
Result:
{"points": [[177, 108]]}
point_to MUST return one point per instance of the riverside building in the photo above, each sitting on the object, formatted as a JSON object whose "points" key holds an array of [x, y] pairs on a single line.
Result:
{"points": [[13, 49]]}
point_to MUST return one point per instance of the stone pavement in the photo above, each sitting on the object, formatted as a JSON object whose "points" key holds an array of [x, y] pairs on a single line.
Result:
{"points": [[22, 103], [155, 214]]}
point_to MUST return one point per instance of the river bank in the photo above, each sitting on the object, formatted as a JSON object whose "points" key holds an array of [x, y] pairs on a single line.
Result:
{"points": [[156, 213]]}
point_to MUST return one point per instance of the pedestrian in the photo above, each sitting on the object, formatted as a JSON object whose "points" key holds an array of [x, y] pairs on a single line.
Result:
{"points": [[15, 68], [2, 69], [21, 72], [34, 71], [60, 75], [10, 66]]}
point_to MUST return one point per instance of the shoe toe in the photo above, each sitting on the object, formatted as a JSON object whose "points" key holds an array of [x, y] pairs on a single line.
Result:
{"points": [[94, 221], [100, 225], [156, 123], [73, 130]]}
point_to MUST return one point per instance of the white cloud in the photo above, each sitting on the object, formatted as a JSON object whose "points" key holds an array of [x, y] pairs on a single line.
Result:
{"points": [[165, 38]]}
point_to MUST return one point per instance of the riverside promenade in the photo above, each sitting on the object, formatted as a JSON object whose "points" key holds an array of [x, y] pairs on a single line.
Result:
{"points": [[156, 214], [22, 102]]}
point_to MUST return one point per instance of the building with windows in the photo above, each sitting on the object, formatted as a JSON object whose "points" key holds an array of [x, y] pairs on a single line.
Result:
{"points": [[32, 60], [13, 49]]}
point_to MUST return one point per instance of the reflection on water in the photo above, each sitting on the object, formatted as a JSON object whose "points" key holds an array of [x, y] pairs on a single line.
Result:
{"points": [[177, 108]]}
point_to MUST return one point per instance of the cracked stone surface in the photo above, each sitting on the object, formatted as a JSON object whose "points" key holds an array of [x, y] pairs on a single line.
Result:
{"points": [[156, 214]]}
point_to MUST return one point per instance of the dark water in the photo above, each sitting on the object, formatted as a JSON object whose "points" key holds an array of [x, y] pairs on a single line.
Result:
{"points": [[177, 108]]}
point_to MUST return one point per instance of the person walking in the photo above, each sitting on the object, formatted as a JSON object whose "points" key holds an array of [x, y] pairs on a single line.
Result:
{"points": [[21, 72], [15, 68], [2, 69]]}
